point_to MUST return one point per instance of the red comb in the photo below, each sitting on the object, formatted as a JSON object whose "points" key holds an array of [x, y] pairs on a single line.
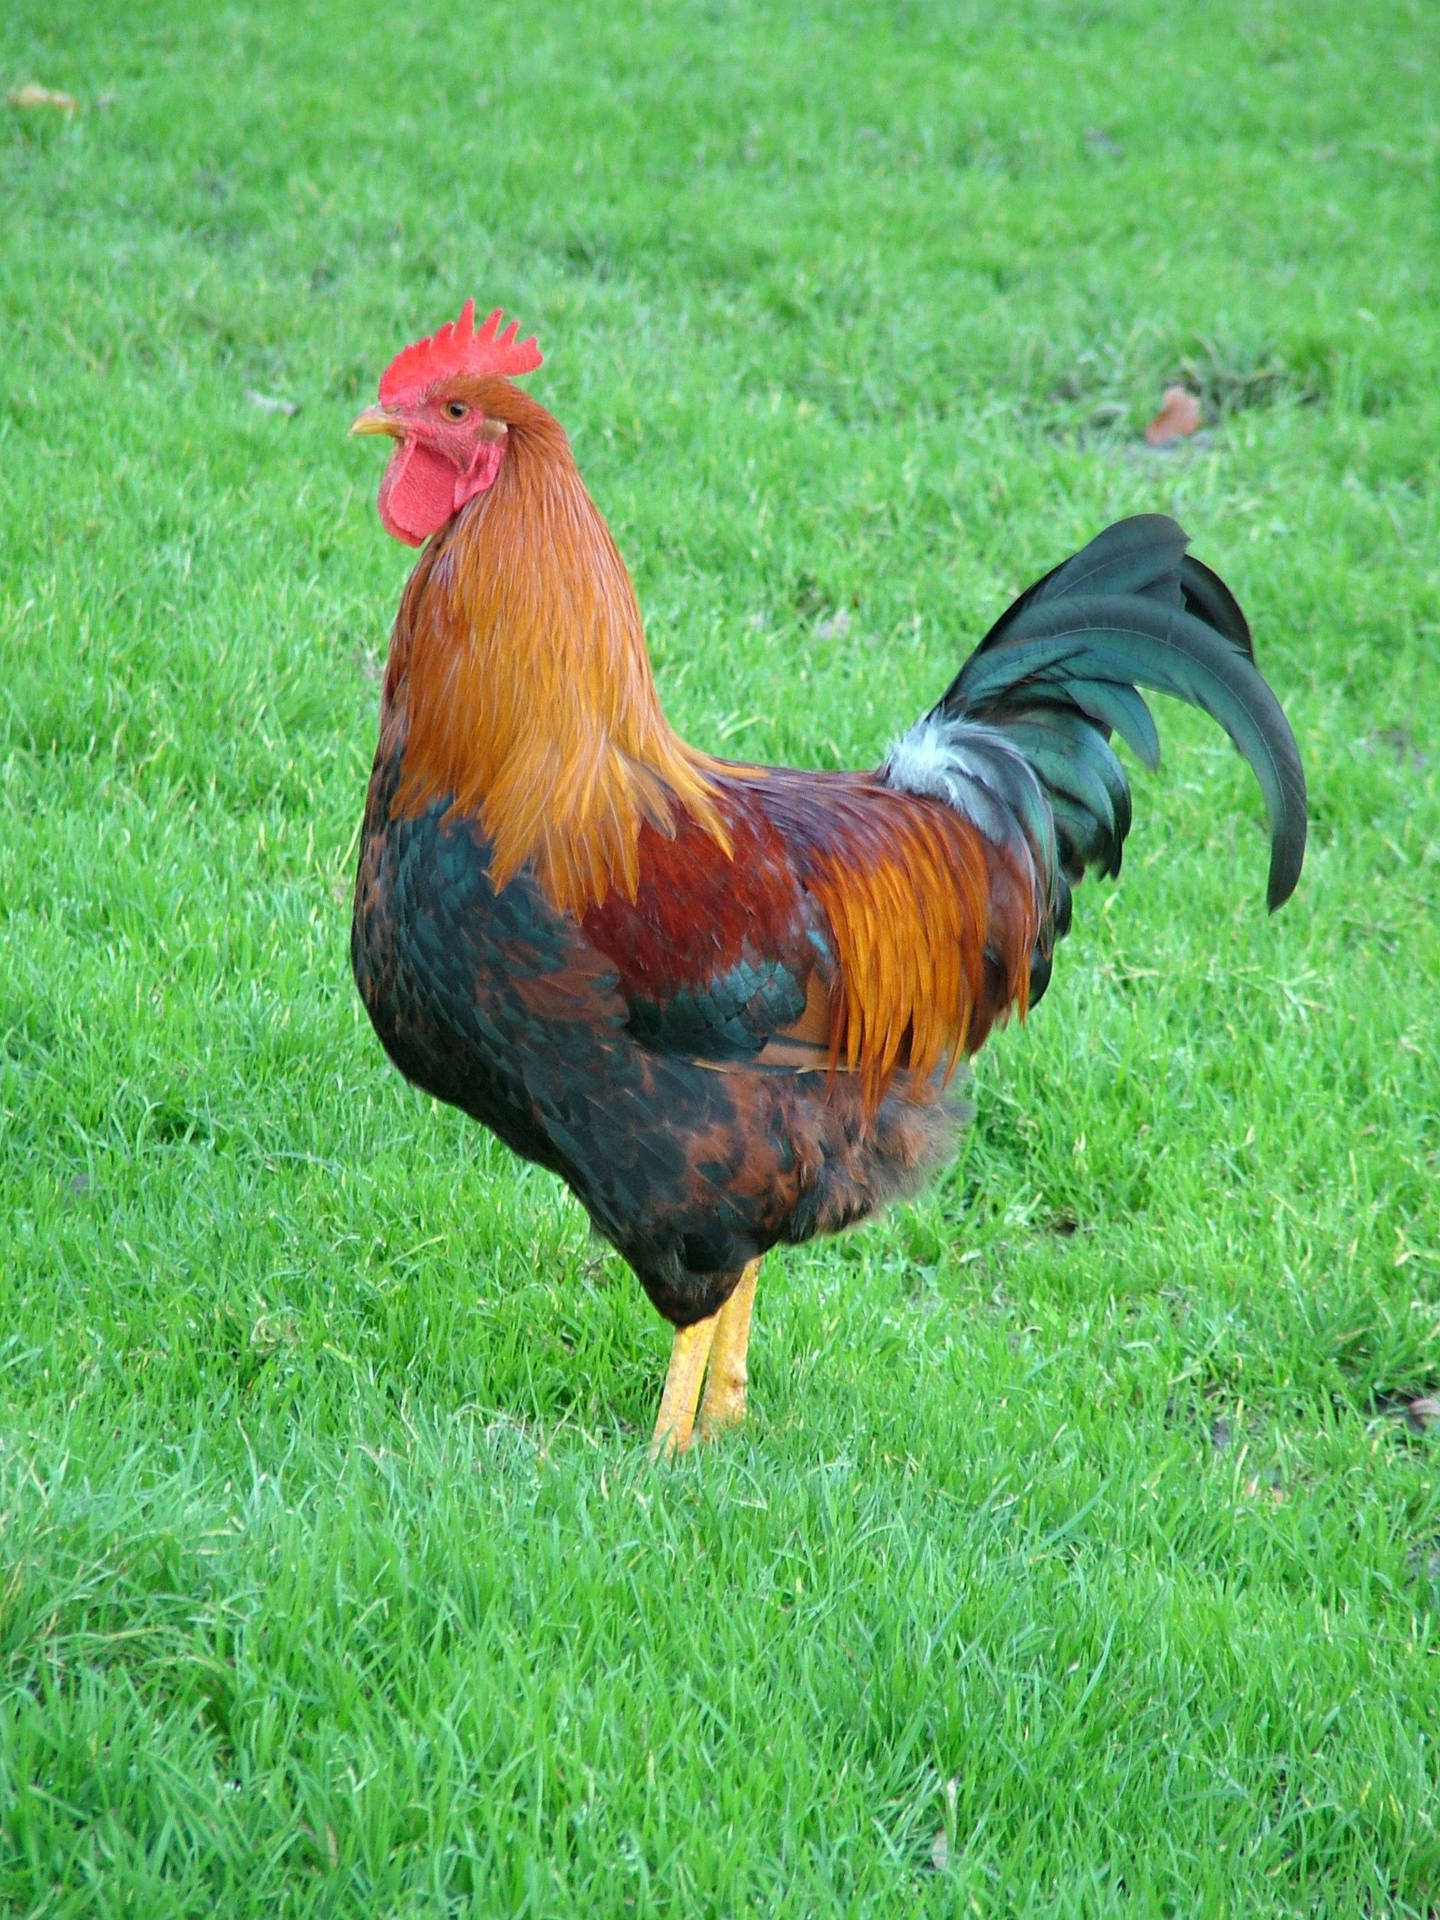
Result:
{"points": [[458, 348]]}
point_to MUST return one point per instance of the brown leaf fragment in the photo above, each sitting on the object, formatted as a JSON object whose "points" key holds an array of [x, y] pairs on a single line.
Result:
{"points": [[1422, 1414], [31, 96], [1179, 415]]}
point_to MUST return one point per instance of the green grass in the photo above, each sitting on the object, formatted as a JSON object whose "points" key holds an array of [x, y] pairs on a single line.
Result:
{"points": [[1074, 1522]]}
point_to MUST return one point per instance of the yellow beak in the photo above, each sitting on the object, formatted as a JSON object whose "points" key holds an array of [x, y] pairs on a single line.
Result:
{"points": [[377, 420]]}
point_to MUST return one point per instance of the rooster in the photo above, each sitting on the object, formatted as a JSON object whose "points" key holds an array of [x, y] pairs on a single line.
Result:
{"points": [[726, 1003]]}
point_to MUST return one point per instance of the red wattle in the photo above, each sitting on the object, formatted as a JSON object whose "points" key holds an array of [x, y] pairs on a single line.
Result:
{"points": [[415, 494], [421, 491]]}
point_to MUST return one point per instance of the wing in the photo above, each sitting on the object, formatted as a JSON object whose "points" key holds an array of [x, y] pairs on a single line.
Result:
{"points": [[715, 955], [854, 927]]}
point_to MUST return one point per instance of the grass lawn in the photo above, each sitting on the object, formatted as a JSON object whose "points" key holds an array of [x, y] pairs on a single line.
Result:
{"points": [[1081, 1557]]}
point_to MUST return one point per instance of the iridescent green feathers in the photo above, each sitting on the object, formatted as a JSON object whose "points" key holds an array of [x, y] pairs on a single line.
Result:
{"points": [[1134, 610]]}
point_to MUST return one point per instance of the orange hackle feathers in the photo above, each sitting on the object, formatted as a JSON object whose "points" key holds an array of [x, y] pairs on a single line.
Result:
{"points": [[906, 888], [458, 348], [909, 930], [519, 665]]}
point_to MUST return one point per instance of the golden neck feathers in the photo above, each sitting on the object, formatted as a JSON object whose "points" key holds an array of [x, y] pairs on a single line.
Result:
{"points": [[520, 685]]}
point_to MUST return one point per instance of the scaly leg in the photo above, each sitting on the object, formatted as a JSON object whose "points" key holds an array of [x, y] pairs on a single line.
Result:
{"points": [[676, 1417], [724, 1404]]}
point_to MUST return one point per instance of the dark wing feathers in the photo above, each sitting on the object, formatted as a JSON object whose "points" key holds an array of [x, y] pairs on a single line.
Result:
{"points": [[729, 1016]]}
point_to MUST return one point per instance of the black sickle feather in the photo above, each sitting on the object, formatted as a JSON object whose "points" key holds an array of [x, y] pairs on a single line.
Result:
{"points": [[1131, 610]]}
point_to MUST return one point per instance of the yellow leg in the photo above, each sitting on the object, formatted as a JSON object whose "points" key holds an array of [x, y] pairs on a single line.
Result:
{"points": [[676, 1417], [724, 1404]]}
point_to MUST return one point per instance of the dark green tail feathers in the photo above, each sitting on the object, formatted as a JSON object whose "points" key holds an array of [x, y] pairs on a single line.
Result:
{"points": [[1020, 741]]}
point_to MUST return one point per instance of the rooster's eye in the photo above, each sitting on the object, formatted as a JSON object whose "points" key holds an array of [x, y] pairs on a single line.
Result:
{"points": [[456, 409]]}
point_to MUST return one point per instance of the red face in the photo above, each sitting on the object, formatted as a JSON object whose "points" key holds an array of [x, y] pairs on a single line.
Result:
{"points": [[448, 451]]}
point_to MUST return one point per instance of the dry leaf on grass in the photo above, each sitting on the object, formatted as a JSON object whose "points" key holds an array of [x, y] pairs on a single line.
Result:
{"points": [[33, 96], [1179, 415]]}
